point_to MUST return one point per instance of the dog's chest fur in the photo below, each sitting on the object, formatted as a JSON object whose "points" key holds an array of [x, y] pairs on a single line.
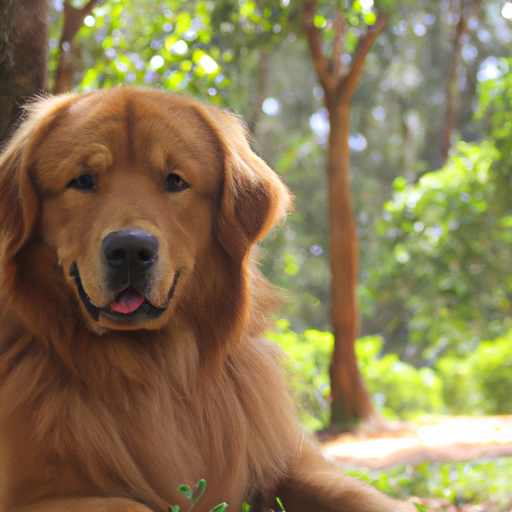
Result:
{"points": [[148, 443]]}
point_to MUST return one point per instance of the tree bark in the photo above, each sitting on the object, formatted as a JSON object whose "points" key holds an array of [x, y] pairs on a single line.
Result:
{"points": [[350, 399], [468, 9], [23, 57]]}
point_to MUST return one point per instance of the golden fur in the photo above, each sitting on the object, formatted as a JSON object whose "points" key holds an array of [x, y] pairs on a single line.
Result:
{"points": [[101, 414]]}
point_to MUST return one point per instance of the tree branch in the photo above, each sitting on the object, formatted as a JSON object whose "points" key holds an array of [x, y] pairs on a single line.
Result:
{"points": [[313, 36], [73, 20], [452, 95], [337, 46], [348, 85]]}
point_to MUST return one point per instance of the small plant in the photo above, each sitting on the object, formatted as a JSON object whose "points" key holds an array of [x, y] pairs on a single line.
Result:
{"points": [[194, 495]]}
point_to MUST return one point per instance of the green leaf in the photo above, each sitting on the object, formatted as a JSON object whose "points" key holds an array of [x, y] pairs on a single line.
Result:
{"points": [[221, 507], [199, 491], [174, 508], [186, 491]]}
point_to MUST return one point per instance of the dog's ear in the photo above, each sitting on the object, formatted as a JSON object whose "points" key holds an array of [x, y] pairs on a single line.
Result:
{"points": [[254, 199], [19, 204]]}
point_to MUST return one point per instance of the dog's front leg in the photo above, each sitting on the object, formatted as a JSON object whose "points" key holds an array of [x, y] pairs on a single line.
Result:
{"points": [[315, 485]]}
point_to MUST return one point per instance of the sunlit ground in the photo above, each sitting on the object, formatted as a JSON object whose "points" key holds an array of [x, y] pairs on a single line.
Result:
{"points": [[444, 438]]}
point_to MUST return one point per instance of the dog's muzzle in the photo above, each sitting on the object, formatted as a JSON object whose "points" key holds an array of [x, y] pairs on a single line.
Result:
{"points": [[129, 257]]}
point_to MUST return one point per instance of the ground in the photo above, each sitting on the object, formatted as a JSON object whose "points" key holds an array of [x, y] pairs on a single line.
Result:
{"points": [[439, 439]]}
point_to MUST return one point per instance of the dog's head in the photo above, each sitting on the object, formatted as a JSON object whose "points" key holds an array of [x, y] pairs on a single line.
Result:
{"points": [[130, 208]]}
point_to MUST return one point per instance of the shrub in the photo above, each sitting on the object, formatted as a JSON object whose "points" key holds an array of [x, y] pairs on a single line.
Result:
{"points": [[308, 362], [399, 390], [458, 482], [481, 382]]}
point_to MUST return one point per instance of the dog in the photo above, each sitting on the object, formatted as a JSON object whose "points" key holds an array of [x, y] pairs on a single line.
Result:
{"points": [[132, 356]]}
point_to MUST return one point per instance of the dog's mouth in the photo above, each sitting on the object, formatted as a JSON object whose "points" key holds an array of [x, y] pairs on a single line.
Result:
{"points": [[129, 305]]}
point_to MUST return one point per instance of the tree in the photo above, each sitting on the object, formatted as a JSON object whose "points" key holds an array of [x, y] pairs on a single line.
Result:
{"points": [[467, 9], [73, 20], [350, 400], [23, 58]]}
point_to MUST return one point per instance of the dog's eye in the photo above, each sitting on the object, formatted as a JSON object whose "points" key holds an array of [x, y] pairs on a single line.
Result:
{"points": [[175, 183], [83, 182]]}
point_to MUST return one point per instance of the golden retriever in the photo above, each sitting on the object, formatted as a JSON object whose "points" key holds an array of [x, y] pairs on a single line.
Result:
{"points": [[131, 317]]}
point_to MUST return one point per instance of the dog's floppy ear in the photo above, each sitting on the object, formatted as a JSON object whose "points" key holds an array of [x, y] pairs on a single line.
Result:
{"points": [[254, 199], [19, 204]]}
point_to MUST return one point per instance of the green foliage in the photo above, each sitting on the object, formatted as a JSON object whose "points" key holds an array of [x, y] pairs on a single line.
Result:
{"points": [[495, 110], [358, 16], [298, 257], [308, 359], [136, 43], [398, 389], [185, 46], [450, 275], [480, 382], [448, 283], [458, 482]]}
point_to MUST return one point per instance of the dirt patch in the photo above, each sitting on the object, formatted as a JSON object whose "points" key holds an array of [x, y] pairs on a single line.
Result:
{"points": [[440, 439]]}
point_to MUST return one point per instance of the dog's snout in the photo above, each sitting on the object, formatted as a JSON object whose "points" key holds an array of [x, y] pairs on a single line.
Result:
{"points": [[130, 249]]}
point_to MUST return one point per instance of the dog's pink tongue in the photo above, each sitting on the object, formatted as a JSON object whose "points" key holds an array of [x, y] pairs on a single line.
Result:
{"points": [[127, 301]]}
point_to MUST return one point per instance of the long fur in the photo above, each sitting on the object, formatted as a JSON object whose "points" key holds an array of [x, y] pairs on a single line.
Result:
{"points": [[95, 417]]}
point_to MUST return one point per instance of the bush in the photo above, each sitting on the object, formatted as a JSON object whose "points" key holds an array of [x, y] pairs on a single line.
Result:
{"points": [[457, 482], [480, 383], [399, 390], [308, 362]]}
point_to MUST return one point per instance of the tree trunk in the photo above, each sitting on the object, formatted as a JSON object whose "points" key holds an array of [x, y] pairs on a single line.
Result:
{"points": [[468, 9], [23, 57], [350, 400]]}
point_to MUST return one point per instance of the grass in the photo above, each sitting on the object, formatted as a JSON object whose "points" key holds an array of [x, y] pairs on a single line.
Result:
{"points": [[484, 483]]}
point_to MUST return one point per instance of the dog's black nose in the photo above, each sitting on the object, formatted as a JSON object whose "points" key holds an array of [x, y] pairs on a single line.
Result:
{"points": [[133, 250]]}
